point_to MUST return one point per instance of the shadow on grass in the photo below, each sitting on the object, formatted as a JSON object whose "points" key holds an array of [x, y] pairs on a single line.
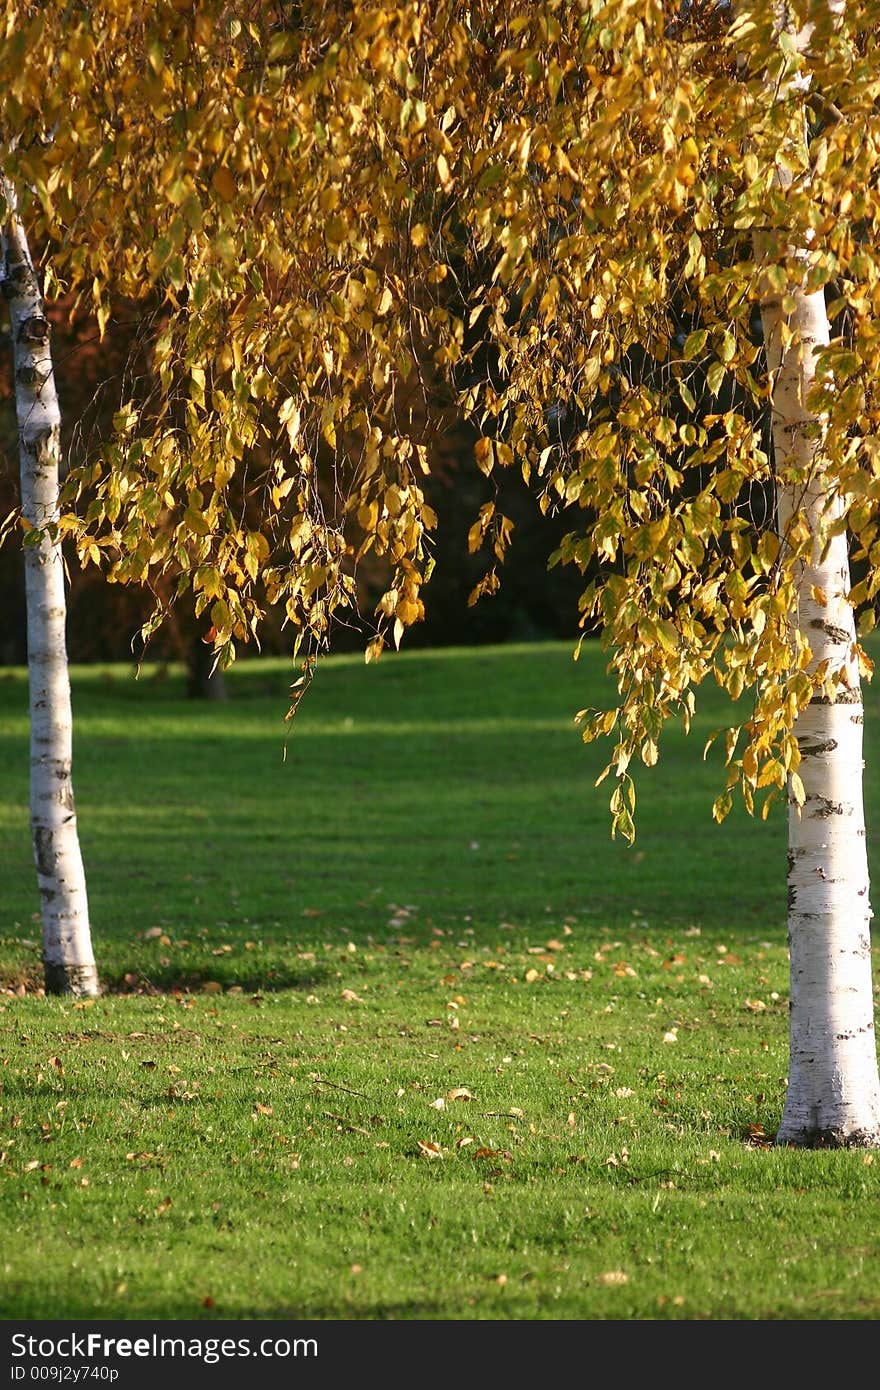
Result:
{"points": [[28, 980]]}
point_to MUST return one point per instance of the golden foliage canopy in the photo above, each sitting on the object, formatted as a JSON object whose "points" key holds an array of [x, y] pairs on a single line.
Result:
{"points": [[559, 218]]}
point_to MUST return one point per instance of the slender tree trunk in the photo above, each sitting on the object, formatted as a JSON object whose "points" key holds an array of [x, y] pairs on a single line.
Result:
{"points": [[833, 1096], [68, 961], [834, 1091]]}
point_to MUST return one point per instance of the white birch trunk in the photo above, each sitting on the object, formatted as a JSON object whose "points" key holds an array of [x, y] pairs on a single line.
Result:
{"points": [[68, 962], [833, 1096]]}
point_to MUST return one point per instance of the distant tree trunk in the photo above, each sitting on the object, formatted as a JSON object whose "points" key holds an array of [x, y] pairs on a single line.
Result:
{"points": [[204, 681], [68, 962], [833, 1096]]}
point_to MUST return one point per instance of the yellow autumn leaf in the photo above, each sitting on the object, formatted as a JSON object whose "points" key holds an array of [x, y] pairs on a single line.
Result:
{"points": [[223, 183]]}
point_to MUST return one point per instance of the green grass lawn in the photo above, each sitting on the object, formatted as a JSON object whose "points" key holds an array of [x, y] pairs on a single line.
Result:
{"points": [[394, 1030]]}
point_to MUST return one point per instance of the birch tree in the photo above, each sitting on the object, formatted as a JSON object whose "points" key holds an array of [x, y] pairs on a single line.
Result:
{"points": [[68, 961], [833, 1093]]}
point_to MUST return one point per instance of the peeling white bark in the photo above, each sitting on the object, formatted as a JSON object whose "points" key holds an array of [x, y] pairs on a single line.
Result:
{"points": [[833, 1093], [68, 962]]}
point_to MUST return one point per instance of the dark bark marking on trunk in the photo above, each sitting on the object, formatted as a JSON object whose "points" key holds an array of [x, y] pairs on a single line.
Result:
{"points": [[837, 634], [35, 329], [843, 697], [44, 445], [33, 375], [69, 979], [812, 750], [44, 853], [819, 1138], [18, 281]]}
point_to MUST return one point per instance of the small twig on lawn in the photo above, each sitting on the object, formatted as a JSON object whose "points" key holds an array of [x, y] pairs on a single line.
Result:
{"points": [[336, 1086]]}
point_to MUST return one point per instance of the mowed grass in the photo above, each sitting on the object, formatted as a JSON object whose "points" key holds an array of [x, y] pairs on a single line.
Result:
{"points": [[394, 1030]]}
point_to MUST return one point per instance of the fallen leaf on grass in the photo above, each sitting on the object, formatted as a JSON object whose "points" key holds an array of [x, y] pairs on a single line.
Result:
{"points": [[757, 1139], [76, 1163], [260, 1109], [350, 997], [459, 1093], [612, 1277], [492, 1153], [428, 1149]]}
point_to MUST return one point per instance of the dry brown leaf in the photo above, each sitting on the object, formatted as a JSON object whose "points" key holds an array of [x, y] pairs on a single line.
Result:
{"points": [[612, 1277], [428, 1149], [350, 997], [459, 1093]]}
